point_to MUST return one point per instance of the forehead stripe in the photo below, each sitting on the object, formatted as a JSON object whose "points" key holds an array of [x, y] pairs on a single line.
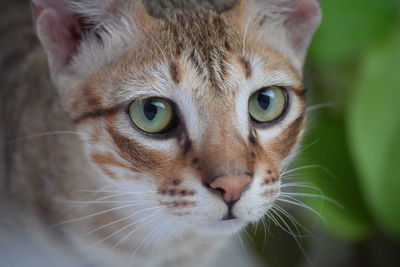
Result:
{"points": [[174, 72], [246, 67]]}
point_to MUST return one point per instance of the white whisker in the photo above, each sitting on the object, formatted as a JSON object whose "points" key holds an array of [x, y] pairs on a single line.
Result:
{"points": [[299, 203], [266, 230], [313, 196], [45, 134], [292, 234], [158, 241], [101, 201], [295, 222], [111, 223], [87, 203], [145, 220], [288, 229], [147, 236], [93, 214], [111, 191], [151, 237], [241, 242], [320, 106], [249, 236], [310, 167], [245, 35], [301, 185], [153, 40], [307, 146]]}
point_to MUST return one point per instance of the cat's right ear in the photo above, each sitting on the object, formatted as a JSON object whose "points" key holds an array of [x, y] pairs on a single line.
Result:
{"points": [[76, 33], [285, 25]]}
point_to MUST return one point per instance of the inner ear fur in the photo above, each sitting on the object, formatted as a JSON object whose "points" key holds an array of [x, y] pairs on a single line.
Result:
{"points": [[58, 29], [78, 35]]}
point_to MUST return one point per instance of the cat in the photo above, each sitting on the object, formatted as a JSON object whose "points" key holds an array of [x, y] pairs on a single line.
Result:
{"points": [[145, 133]]}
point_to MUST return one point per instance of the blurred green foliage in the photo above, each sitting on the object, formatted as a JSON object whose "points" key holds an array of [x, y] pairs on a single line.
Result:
{"points": [[352, 148], [373, 123], [354, 62], [350, 28]]}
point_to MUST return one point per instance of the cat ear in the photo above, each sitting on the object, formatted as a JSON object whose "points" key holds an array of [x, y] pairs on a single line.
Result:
{"points": [[301, 21], [69, 29], [58, 29], [283, 24]]}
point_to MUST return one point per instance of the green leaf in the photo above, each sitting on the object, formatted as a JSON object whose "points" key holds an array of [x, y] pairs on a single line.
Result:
{"points": [[335, 177], [374, 131], [349, 27]]}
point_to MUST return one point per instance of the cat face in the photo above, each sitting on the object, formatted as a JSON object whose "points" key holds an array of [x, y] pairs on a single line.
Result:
{"points": [[198, 112]]}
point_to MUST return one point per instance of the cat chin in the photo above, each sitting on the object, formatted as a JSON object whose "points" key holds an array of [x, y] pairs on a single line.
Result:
{"points": [[222, 227]]}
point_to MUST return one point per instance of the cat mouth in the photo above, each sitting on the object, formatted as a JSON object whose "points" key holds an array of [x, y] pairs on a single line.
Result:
{"points": [[229, 216]]}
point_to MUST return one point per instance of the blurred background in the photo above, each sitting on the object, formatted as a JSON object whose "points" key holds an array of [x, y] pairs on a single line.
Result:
{"points": [[348, 173]]}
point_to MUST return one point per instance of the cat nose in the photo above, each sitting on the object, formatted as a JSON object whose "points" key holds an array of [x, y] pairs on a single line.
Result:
{"points": [[231, 187]]}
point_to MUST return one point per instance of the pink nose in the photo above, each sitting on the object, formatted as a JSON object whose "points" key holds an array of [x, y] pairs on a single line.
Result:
{"points": [[231, 186]]}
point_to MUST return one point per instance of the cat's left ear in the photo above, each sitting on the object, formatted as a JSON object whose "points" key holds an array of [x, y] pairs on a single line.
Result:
{"points": [[285, 25]]}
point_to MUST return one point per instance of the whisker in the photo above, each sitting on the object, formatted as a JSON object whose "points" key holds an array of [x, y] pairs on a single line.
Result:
{"points": [[271, 25], [98, 201], [307, 146], [249, 236], [180, 235], [94, 201], [272, 218], [320, 106], [293, 220], [288, 229], [93, 190], [148, 235], [302, 168], [96, 193], [292, 188], [266, 230], [144, 239], [111, 191], [153, 40], [270, 215], [241, 242], [311, 167], [255, 226], [336, 203], [301, 185], [44, 134], [93, 214], [151, 237], [157, 243], [245, 35], [293, 235], [299, 203], [111, 223], [145, 220], [261, 33]]}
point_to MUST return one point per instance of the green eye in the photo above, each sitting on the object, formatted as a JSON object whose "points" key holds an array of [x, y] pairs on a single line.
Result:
{"points": [[152, 115], [267, 104]]}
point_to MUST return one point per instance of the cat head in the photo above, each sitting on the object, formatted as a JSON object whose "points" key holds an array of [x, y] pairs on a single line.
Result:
{"points": [[199, 109]]}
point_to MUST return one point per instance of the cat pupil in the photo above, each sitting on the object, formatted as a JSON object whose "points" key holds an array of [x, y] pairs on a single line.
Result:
{"points": [[264, 100], [150, 110]]}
